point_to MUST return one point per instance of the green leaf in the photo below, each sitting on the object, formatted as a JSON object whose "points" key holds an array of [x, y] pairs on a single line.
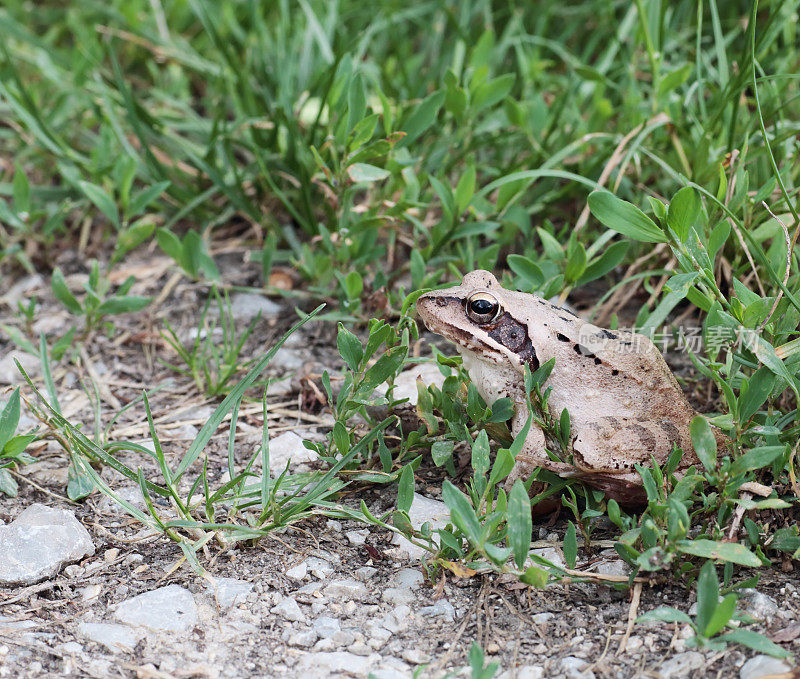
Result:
{"points": [[622, 217], [441, 452], [356, 101], [465, 189], [405, 489], [757, 458], [21, 190], [350, 348], [527, 269], [725, 551], [136, 234], [707, 595], [63, 294], [520, 525], [102, 201], [422, 117], [576, 264], [677, 519], [682, 212], [490, 92], [123, 305], [480, 455], [608, 261], [570, 545], [535, 576], [146, 196], [462, 513], [8, 484], [721, 615], [758, 642], [363, 172], [9, 419], [674, 79], [172, 246], [503, 464], [703, 441]]}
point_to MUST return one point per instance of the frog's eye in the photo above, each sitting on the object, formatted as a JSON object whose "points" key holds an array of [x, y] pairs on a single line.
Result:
{"points": [[482, 307]]}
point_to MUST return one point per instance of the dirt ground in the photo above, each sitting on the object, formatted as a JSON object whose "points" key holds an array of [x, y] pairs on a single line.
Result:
{"points": [[389, 619]]}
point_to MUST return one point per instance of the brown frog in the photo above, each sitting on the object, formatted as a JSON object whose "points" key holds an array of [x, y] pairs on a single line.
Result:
{"points": [[624, 402]]}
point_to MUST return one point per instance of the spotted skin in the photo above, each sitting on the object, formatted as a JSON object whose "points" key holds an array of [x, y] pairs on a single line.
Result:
{"points": [[624, 403]]}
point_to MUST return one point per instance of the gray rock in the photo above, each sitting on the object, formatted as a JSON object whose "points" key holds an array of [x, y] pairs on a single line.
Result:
{"points": [[39, 542], [442, 608], [524, 672], [313, 665], [357, 537], [405, 582], [288, 359], [326, 626], [166, 609], [302, 638], [761, 606], [572, 667], [116, 638], [416, 656], [542, 618], [10, 374], [230, 591], [405, 384], [298, 572], [762, 666], [614, 567], [71, 647], [351, 590], [359, 648], [551, 554], [288, 447], [366, 573], [245, 306], [682, 665], [319, 568], [423, 510], [289, 610]]}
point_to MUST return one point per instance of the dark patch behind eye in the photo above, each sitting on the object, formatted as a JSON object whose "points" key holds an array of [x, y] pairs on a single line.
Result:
{"points": [[514, 337], [562, 338]]}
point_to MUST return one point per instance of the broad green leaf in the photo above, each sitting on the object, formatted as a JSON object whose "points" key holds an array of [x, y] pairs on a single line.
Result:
{"points": [[570, 545], [480, 455], [363, 172], [441, 452], [422, 117], [63, 294], [405, 489], [462, 513], [622, 217], [350, 348], [123, 305], [490, 92], [721, 615], [527, 269], [703, 441], [465, 189], [707, 595], [8, 484], [758, 642], [171, 245], [9, 419], [503, 464], [674, 79], [102, 201], [520, 525], [725, 551], [142, 200], [535, 576], [608, 261], [757, 458], [21, 190]]}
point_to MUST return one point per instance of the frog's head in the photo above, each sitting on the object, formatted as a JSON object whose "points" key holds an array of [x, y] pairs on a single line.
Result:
{"points": [[479, 317]]}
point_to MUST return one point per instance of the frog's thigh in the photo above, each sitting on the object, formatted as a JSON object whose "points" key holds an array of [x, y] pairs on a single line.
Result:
{"points": [[620, 442]]}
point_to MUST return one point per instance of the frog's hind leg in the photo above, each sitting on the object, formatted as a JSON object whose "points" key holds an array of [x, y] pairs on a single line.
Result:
{"points": [[619, 443]]}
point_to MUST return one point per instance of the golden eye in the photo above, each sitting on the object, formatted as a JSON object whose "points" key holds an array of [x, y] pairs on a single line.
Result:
{"points": [[482, 307]]}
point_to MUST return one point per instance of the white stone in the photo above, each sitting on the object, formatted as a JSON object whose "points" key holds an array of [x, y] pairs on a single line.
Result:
{"points": [[39, 542], [551, 554], [572, 667], [167, 609], [423, 510], [442, 608], [405, 384], [357, 537], [346, 589], [289, 610], [314, 665], [366, 573], [245, 306], [682, 665], [614, 567], [524, 672], [302, 638], [288, 359], [761, 606], [763, 666], [230, 591], [116, 638], [298, 572], [326, 626], [287, 447]]}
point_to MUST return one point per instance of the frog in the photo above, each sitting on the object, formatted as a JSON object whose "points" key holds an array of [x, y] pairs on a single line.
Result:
{"points": [[625, 405]]}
